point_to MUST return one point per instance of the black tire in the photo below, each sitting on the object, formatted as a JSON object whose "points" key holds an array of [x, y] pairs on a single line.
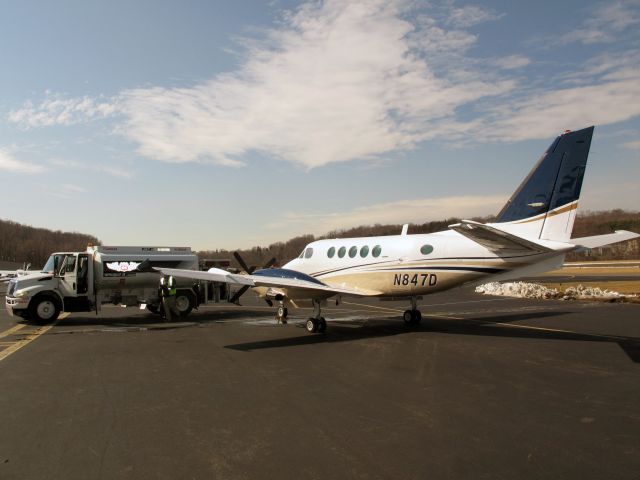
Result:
{"points": [[44, 309], [322, 325], [184, 302], [155, 309], [407, 316], [418, 317]]}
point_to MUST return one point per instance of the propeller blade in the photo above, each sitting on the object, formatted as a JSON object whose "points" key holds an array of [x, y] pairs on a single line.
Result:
{"points": [[242, 263], [238, 294], [270, 263]]}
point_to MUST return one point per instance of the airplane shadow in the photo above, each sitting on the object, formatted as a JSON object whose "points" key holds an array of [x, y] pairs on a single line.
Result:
{"points": [[496, 326]]}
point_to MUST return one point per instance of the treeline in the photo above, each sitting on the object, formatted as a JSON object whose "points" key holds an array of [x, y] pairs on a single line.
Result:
{"points": [[25, 244], [600, 223], [587, 223]]}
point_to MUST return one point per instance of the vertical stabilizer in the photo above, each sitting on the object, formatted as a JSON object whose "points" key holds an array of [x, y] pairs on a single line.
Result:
{"points": [[544, 205]]}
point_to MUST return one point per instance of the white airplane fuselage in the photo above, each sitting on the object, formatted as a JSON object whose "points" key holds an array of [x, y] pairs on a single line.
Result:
{"points": [[413, 265]]}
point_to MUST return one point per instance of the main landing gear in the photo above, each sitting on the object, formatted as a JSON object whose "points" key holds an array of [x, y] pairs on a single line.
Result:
{"points": [[316, 323], [413, 316]]}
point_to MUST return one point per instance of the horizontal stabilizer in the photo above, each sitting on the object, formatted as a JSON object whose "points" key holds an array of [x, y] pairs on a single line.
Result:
{"points": [[604, 240], [497, 240]]}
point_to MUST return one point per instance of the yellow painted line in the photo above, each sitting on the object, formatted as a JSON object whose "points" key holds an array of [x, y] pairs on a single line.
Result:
{"points": [[13, 329], [25, 341]]}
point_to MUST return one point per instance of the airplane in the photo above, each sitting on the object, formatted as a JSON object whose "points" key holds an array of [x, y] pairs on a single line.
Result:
{"points": [[531, 235], [6, 275]]}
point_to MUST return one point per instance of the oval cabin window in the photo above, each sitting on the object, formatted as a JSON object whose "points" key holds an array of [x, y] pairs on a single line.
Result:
{"points": [[426, 249]]}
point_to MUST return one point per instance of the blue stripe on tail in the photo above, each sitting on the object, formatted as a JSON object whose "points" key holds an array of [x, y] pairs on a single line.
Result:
{"points": [[555, 180]]}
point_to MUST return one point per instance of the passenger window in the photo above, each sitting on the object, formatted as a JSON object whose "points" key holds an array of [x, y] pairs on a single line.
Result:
{"points": [[353, 251], [331, 252], [376, 251], [364, 251], [308, 253], [426, 249], [342, 251]]}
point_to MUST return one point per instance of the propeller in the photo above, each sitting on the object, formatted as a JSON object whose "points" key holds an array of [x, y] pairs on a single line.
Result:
{"points": [[236, 297]]}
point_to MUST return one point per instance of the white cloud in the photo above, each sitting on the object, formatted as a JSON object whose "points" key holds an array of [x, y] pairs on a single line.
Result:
{"points": [[405, 211], [471, 15], [511, 62], [57, 110], [339, 81], [10, 164], [114, 171], [608, 20], [549, 113]]}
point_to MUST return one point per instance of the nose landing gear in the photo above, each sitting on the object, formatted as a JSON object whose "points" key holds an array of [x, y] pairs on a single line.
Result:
{"points": [[281, 313]]}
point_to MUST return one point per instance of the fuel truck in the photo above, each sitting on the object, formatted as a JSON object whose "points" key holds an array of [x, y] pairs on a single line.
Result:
{"points": [[85, 281]]}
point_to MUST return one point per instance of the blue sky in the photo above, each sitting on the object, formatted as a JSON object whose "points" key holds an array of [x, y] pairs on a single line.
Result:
{"points": [[232, 124]]}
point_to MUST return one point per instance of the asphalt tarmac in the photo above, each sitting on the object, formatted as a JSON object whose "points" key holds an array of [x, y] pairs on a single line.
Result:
{"points": [[485, 387]]}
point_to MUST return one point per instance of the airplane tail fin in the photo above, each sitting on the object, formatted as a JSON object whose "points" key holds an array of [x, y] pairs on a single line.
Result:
{"points": [[544, 205]]}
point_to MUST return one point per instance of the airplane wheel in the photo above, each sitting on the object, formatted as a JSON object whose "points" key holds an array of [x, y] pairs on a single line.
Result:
{"points": [[322, 325], [312, 325], [283, 312], [412, 317]]}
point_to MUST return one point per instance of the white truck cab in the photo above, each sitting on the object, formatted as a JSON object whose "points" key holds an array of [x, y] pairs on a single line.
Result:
{"points": [[84, 281]]}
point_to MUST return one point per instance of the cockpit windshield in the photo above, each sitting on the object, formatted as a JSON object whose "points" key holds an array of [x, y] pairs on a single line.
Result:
{"points": [[53, 263]]}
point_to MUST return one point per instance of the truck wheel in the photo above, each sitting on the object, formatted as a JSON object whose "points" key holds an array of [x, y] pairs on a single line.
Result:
{"points": [[44, 309], [154, 309], [184, 302]]}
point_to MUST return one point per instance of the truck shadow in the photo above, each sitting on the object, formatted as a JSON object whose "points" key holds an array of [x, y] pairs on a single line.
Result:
{"points": [[147, 319]]}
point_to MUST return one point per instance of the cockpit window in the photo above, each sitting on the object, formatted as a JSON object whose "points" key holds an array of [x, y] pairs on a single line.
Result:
{"points": [[308, 252]]}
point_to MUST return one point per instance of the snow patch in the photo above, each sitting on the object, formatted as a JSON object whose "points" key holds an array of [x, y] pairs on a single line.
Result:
{"points": [[534, 290]]}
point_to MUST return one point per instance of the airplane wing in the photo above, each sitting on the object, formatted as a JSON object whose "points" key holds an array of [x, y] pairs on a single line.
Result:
{"points": [[604, 240], [497, 240], [303, 284]]}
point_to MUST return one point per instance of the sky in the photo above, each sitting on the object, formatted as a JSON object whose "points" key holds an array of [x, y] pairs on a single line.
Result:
{"points": [[216, 124]]}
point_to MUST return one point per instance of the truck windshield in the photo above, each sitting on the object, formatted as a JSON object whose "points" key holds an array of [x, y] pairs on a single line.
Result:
{"points": [[54, 262]]}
